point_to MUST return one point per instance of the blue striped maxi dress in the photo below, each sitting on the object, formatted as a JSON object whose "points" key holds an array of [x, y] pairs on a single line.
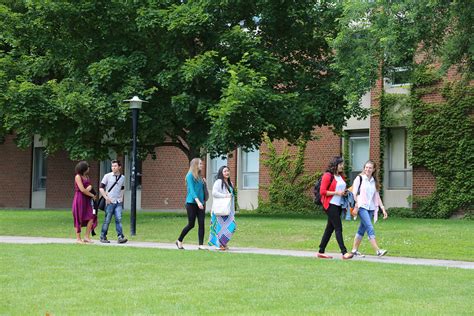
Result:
{"points": [[222, 227]]}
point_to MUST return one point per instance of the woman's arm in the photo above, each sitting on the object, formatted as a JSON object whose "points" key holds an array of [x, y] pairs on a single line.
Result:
{"points": [[217, 191], [84, 191], [190, 183], [325, 184], [382, 207]]}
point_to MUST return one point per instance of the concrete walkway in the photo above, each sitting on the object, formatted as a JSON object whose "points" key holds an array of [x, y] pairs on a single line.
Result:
{"points": [[260, 251]]}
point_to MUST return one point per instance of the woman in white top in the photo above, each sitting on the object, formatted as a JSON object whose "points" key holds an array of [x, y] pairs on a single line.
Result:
{"points": [[368, 201], [222, 227]]}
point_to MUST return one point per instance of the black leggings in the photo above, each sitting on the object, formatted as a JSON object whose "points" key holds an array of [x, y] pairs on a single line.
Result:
{"points": [[334, 224], [193, 210]]}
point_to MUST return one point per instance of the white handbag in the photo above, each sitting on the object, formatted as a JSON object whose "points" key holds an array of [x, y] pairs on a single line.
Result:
{"points": [[221, 206]]}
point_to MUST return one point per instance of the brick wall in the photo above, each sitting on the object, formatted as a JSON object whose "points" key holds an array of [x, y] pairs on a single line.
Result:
{"points": [[317, 156], [424, 183], [15, 178], [60, 180], [374, 132], [163, 184]]}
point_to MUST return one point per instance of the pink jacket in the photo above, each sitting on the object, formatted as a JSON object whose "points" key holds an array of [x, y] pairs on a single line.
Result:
{"points": [[361, 199]]}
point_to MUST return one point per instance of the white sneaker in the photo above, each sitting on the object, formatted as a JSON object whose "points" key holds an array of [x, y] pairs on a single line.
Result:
{"points": [[358, 254], [381, 252]]}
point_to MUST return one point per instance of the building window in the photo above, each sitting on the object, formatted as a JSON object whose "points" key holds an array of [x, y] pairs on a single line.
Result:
{"points": [[400, 171], [40, 168], [250, 166], [399, 76], [216, 164], [359, 152]]}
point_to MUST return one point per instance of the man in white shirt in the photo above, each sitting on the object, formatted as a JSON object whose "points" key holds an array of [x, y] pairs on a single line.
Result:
{"points": [[111, 188]]}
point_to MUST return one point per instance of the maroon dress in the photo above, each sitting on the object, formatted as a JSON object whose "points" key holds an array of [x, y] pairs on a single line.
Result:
{"points": [[82, 208]]}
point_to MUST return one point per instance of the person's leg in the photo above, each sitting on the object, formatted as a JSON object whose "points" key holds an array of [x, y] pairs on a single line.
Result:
{"points": [[327, 235], [87, 237], [191, 209], [108, 217], [371, 234], [201, 215], [334, 213], [118, 219], [364, 217], [78, 238]]}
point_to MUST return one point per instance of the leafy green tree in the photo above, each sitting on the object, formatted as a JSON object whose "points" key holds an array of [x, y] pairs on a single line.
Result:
{"points": [[381, 35], [217, 74]]}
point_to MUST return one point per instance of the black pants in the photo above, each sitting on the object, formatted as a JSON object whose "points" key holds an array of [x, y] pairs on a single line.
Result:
{"points": [[334, 224], [193, 210]]}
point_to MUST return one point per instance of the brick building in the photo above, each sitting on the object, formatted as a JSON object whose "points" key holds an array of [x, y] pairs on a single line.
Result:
{"points": [[31, 180]]}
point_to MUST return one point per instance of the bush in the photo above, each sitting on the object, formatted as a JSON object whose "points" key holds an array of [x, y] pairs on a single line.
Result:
{"points": [[289, 188], [402, 212]]}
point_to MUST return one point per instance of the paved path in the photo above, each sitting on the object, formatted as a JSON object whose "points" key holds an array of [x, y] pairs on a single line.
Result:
{"points": [[261, 251]]}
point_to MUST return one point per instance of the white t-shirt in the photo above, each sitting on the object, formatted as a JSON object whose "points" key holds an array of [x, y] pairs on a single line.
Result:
{"points": [[340, 186], [115, 194], [369, 186]]}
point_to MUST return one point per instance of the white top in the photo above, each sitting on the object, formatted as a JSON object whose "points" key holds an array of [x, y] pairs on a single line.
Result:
{"points": [[116, 193], [370, 190], [219, 192], [340, 186]]}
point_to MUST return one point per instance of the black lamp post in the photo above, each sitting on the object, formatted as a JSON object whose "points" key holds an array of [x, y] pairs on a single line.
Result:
{"points": [[135, 106]]}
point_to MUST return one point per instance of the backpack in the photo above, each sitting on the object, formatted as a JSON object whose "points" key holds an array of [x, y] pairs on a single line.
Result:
{"points": [[317, 189], [355, 197]]}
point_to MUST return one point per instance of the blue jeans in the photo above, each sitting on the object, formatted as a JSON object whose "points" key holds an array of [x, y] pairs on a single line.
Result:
{"points": [[365, 224], [116, 210]]}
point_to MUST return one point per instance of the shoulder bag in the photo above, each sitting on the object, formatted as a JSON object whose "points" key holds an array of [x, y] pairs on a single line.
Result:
{"points": [[101, 203], [221, 206]]}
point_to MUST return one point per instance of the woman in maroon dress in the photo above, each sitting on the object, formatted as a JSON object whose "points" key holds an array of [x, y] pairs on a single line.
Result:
{"points": [[81, 205]]}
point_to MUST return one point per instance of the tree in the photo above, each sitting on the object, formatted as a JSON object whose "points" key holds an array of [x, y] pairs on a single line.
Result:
{"points": [[217, 74], [383, 35]]}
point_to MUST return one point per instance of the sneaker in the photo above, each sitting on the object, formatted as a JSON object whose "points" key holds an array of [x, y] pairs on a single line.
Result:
{"points": [[323, 256], [104, 240], [381, 252], [356, 253], [122, 240]]}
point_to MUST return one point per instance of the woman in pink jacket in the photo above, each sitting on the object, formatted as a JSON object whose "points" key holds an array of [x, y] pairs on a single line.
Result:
{"points": [[368, 202]]}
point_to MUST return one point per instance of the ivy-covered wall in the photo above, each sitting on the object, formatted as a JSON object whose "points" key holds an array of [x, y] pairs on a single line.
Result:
{"points": [[443, 142]]}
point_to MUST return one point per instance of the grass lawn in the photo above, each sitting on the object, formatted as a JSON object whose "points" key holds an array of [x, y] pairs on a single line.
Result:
{"points": [[420, 238], [92, 280]]}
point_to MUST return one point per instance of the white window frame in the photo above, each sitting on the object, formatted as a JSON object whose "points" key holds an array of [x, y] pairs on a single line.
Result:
{"points": [[355, 170], [243, 173], [407, 168]]}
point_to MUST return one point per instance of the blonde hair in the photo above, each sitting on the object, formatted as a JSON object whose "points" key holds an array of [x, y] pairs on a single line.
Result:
{"points": [[194, 168], [374, 174]]}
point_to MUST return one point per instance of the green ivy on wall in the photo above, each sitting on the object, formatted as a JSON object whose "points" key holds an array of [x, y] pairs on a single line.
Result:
{"points": [[346, 155], [289, 184], [443, 142]]}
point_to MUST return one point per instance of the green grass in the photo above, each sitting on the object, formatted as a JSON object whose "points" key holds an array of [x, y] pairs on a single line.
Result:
{"points": [[93, 280], [419, 238]]}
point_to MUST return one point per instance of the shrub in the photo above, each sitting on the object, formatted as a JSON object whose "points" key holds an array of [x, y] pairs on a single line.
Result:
{"points": [[289, 188]]}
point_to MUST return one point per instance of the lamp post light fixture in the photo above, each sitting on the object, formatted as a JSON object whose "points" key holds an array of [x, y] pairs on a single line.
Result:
{"points": [[135, 106]]}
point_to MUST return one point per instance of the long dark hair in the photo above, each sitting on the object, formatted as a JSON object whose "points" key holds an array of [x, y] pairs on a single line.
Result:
{"points": [[220, 175], [332, 168], [81, 167]]}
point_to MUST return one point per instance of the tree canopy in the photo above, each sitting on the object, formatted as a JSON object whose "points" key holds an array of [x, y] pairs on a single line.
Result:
{"points": [[379, 36], [217, 74]]}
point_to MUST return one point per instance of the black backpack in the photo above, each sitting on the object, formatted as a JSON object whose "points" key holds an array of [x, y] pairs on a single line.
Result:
{"points": [[317, 189]]}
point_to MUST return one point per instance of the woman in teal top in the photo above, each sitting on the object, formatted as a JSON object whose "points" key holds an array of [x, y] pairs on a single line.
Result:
{"points": [[195, 186]]}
